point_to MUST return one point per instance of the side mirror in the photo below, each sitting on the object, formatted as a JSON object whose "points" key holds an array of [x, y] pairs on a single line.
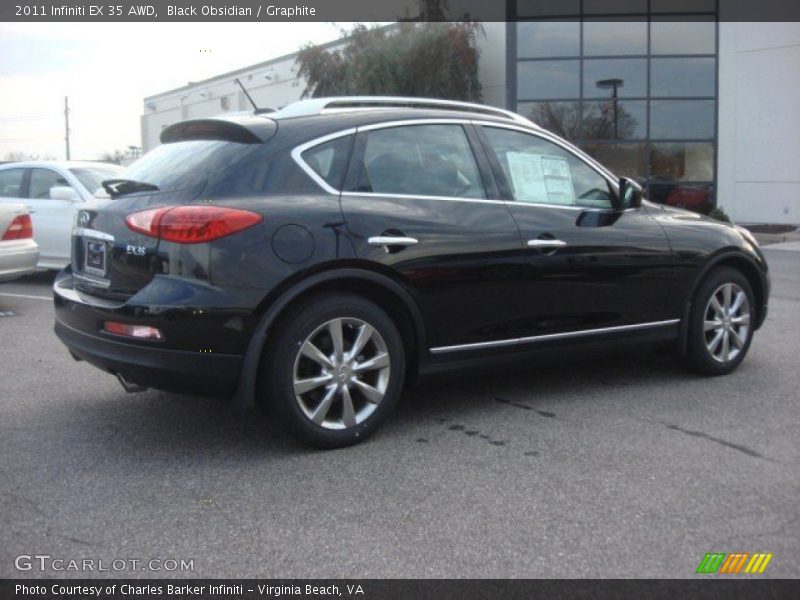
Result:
{"points": [[64, 192], [630, 194]]}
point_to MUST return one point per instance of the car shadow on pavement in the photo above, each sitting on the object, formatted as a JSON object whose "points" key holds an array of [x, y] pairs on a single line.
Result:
{"points": [[39, 277], [156, 426]]}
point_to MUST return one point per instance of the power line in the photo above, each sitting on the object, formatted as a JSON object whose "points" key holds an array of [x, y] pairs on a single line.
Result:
{"points": [[21, 119]]}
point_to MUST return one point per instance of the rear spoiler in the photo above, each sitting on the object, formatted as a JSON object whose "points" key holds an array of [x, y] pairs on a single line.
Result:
{"points": [[240, 129]]}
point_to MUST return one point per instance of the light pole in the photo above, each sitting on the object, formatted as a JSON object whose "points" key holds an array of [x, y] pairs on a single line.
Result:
{"points": [[613, 85]]}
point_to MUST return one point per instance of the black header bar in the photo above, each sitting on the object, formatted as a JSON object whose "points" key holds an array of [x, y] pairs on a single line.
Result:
{"points": [[149, 11]]}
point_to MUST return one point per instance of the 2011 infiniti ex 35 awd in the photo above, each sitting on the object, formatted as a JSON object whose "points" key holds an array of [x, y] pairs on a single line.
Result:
{"points": [[317, 258]]}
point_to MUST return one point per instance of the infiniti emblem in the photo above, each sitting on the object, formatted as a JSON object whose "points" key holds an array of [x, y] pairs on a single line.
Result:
{"points": [[84, 218]]}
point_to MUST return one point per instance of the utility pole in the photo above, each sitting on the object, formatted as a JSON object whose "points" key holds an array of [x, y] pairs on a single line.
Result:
{"points": [[66, 123], [613, 84]]}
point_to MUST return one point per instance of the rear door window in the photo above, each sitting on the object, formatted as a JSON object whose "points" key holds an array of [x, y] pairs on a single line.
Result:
{"points": [[420, 160]]}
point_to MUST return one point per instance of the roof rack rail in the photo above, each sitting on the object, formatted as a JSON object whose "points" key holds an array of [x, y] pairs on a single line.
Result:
{"points": [[339, 104]]}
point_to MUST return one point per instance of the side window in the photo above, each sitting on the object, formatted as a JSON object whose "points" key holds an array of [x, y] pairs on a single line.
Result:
{"points": [[420, 160], [11, 183], [540, 171], [329, 160], [41, 182]]}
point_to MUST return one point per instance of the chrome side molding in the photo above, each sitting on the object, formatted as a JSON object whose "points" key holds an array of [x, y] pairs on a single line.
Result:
{"points": [[551, 336]]}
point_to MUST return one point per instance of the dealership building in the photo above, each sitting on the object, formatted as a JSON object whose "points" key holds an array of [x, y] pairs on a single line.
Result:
{"points": [[701, 110]]}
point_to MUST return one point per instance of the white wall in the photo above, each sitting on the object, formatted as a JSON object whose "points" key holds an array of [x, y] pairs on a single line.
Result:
{"points": [[271, 86], [759, 122]]}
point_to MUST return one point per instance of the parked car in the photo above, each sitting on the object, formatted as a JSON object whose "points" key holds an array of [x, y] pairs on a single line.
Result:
{"points": [[696, 198], [53, 192], [18, 251], [317, 258]]}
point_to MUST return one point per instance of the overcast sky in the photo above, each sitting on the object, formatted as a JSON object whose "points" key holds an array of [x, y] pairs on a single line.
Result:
{"points": [[106, 69]]}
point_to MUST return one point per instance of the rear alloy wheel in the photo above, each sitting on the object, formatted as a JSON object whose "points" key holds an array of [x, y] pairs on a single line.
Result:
{"points": [[720, 330], [343, 373]]}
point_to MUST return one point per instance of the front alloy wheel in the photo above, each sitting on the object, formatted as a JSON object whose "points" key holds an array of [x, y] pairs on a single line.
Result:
{"points": [[727, 322], [721, 322]]}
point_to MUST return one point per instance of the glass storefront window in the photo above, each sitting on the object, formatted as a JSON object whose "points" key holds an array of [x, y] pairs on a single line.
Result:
{"points": [[683, 37], [689, 161], [682, 119], [614, 7], [602, 122], [683, 6], [548, 79], [562, 118], [682, 77], [606, 38], [630, 75], [545, 8], [633, 82], [623, 159], [543, 39]]}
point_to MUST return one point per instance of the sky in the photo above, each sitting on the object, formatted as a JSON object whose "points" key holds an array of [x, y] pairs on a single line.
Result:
{"points": [[107, 69]]}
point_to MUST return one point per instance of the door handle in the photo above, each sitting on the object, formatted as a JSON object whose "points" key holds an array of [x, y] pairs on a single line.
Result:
{"points": [[389, 240], [539, 243]]}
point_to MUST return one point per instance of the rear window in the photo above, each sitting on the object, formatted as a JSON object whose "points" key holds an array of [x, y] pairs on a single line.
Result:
{"points": [[11, 183], [179, 165], [329, 160]]}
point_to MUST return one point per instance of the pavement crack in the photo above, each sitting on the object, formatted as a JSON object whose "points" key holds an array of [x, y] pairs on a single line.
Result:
{"points": [[27, 501], [543, 413], [716, 440]]}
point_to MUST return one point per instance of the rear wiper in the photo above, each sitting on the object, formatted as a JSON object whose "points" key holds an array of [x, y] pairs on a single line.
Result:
{"points": [[118, 187]]}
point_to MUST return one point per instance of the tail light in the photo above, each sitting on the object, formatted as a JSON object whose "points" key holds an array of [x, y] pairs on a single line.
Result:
{"points": [[191, 224], [140, 332], [19, 229]]}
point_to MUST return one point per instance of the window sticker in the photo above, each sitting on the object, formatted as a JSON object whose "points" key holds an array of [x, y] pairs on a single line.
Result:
{"points": [[540, 178], [558, 180], [527, 176]]}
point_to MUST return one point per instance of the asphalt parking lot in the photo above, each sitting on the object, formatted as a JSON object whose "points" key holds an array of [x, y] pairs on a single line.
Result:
{"points": [[623, 466]]}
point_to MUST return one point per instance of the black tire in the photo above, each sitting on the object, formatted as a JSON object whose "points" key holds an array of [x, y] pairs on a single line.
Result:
{"points": [[699, 357], [284, 360]]}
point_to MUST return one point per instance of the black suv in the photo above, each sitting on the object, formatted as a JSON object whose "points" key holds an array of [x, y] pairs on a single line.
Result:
{"points": [[318, 257]]}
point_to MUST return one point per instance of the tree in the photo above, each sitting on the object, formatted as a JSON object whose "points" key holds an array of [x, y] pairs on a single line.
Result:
{"points": [[433, 60], [597, 123], [16, 156], [116, 157]]}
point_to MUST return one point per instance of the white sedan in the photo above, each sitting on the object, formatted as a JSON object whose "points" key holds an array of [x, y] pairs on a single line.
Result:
{"points": [[18, 251], [53, 192]]}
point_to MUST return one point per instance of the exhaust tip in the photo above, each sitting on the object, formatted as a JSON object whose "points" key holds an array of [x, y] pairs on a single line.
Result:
{"points": [[129, 386]]}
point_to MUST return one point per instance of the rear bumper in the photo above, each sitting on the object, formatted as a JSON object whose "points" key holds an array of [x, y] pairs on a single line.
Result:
{"points": [[148, 364], [17, 258]]}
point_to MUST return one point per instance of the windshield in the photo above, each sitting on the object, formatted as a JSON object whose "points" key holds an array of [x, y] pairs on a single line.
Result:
{"points": [[178, 165], [90, 177]]}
